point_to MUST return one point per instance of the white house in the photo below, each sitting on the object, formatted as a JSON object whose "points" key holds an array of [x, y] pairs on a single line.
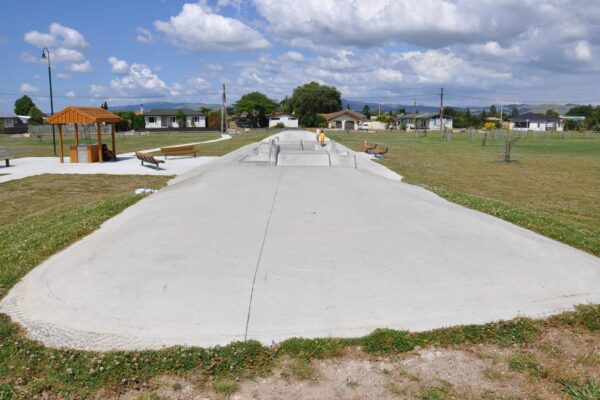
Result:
{"points": [[167, 118], [429, 121], [288, 120], [374, 125], [536, 122], [346, 119]]}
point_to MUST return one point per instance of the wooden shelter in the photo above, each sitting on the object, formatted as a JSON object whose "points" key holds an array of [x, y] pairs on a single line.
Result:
{"points": [[84, 115]]}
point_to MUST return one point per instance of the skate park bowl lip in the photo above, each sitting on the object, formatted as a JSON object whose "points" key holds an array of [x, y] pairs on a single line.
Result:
{"points": [[233, 252]]}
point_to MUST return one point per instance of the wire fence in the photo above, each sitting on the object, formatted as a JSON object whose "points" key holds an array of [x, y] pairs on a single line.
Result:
{"points": [[84, 129]]}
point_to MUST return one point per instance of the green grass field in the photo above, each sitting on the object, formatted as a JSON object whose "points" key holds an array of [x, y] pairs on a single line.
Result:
{"points": [[552, 188], [36, 147]]}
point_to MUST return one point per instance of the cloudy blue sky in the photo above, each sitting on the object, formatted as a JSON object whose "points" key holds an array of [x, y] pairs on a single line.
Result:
{"points": [[389, 51]]}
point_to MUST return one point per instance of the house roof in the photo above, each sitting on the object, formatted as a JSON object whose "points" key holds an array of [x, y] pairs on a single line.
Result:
{"points": [[353, 114], [168, 112], [7, 115], [82, 115], [423, 116], [279, 114], [533, 117]]}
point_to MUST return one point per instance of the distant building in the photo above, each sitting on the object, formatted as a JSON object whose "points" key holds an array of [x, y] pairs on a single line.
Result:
{"points": [[287, 119], [346, 119], [428, 121], [12, 123], [576, 118], [536, 122], [167, 118], [245, 120]]}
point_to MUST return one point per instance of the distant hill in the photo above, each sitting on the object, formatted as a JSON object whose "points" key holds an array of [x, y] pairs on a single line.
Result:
{"points": [[164, 105], [374, 107], [359, 105]]}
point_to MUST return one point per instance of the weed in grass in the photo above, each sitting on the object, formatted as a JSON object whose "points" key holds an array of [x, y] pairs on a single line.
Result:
{"points": [[225, 387], [177, 387], [590, 359], [411, 377], [387, 341], [148, 396], [587, 391], [492, 374], [526, 363], [309, 348], [434, 393], [395, 389], [505, 333], [586, 315], [352, 384], [240, 359], [299, 368]]}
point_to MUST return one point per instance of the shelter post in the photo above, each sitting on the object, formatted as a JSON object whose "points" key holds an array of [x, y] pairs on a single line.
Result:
{"points": [[99, 142], [76, 135], [60, 144], [112, 135]]}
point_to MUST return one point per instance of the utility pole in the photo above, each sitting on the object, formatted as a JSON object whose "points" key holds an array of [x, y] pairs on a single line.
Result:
{"points": [[415, 114], [442, 111], [224, 112], [46, 55], [501, 105]]}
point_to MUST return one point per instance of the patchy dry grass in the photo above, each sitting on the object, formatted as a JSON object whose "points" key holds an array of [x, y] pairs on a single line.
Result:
{"points": [[552, 188]]}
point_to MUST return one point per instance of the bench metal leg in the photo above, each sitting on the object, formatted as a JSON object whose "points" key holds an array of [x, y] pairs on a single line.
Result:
{"points": [[7, 161]]}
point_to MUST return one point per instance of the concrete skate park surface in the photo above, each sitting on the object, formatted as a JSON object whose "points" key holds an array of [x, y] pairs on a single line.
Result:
{"points": [[238, 250]]}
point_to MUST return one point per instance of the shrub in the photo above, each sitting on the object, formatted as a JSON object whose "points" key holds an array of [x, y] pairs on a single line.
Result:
{"points": [[387, 341]]}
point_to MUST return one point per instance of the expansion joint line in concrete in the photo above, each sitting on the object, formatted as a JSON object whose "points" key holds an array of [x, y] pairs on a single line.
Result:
{"points": [[262, 246]]}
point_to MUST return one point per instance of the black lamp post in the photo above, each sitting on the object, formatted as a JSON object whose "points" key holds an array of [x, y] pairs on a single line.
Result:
{"points": [[46, 55]]}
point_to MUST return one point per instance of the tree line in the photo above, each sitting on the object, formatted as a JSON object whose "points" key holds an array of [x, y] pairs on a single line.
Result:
{"points": [[310, 100]]}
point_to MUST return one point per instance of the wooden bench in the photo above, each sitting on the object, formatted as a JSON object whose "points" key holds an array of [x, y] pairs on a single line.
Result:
{"points": [[368, 147], [178, 150], [379, 150], [148, 158]]}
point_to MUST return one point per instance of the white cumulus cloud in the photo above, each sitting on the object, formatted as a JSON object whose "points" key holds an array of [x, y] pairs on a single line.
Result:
{"points": [[145, 36], [97, 90], [28, 88], [65, 45], [196, 28], [118, 66], [83, 67]]}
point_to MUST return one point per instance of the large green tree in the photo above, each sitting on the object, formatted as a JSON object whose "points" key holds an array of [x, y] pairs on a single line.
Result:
{"points": [[36, 116], [23, 105], [180, 117], [311, 99], [257, 105], [366, 111]]}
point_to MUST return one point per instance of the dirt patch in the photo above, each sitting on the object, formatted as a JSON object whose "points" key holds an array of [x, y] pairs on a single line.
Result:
{"points": [[528, 371]]}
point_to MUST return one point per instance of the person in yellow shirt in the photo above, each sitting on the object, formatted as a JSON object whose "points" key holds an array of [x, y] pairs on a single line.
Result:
{"points": [[322, 139]]}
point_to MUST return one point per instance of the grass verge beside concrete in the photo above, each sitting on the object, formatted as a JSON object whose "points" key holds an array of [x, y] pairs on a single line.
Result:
{"points": [[552, 187]]}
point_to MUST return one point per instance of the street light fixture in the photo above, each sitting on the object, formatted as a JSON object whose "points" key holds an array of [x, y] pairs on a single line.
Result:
{"points": [[46, 55]]}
